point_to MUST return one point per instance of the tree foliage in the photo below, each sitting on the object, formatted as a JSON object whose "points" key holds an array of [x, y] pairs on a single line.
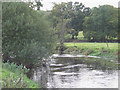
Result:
{"points": [[35, 4], [77, 13], [102, 24], [27, 35], [74, 15]]}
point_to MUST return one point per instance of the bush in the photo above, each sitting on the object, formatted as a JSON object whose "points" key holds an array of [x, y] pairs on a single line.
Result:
{"points": [[27, 34]]}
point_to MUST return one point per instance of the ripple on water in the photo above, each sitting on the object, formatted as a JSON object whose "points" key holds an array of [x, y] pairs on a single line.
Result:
{"points": [[67, 73], [85, 79]]}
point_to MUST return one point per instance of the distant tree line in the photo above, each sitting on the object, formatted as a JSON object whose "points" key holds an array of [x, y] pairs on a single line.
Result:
{"points": [[98, 24]]}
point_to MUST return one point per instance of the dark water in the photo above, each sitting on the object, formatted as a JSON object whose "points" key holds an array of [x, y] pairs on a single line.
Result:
{"points": [[69, 72]]}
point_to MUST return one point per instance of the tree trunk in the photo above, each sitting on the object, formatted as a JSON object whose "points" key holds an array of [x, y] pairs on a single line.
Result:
{"points": [[72, 36], [89, 38], [61, 38]]}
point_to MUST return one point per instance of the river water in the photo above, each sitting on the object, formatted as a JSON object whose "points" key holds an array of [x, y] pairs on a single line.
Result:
{"points": [[68, 72]]}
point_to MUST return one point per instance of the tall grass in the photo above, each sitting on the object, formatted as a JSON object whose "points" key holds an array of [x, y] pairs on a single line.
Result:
{"points": [[13, 76], [15, 68]]}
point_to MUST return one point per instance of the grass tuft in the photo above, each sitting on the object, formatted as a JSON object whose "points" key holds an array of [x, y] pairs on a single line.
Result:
{"points": [[13, 76]]}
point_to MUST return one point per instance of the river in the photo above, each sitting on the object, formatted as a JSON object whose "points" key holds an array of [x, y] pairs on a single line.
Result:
{"points": [[68, 72]]}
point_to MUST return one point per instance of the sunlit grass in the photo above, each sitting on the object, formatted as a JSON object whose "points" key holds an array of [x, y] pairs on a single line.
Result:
{"points": [[80, 34], [109, 50], [111, 46]]}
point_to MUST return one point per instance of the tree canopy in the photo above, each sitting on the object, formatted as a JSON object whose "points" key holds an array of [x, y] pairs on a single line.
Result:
{"points": [[27, 35], [102, 24], [73, 15]]}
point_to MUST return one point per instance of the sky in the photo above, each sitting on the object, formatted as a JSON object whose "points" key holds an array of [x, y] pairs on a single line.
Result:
{"points": [[47, 4]]}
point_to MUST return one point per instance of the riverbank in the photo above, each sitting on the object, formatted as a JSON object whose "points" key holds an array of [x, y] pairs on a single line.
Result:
{"points": [[14, 76], [104, 50]]}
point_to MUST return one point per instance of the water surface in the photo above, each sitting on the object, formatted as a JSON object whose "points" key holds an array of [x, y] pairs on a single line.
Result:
{"points": [[68, 72]]}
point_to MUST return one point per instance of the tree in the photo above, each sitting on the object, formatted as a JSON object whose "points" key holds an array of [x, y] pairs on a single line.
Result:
{"points": [[101, 24], [67, 15], [35, 4], [79, 11], [27, 35], [58, 15]]}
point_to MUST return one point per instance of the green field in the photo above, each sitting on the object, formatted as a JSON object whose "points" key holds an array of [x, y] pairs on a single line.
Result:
{"points": [[99, 49], [111, 46], [80, 34]]}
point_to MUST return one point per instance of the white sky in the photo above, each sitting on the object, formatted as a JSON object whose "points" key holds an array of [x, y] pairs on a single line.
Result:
{"points": [[47, 4]]}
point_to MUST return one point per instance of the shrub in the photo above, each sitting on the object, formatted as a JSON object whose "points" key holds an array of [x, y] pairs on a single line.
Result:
{"points": [[15, 68], [26, 34]]}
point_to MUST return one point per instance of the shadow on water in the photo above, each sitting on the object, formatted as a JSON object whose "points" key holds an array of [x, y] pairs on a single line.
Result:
{"points": [[77, 72], [93, 63]]}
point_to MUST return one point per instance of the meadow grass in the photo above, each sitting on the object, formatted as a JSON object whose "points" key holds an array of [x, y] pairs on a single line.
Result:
{"points": [[94, 46], [80, 34], [98, 49]]}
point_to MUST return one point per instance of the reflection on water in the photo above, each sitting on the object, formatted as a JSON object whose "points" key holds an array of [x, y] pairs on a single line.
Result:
{"points": [[71, 73]]}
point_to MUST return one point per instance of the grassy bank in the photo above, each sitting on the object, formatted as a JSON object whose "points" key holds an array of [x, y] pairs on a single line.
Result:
{"points": [[13, 76], [107, 50]]}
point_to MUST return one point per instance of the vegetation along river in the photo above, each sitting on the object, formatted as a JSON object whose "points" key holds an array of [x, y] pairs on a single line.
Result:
{"points": [[68, 71]]}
